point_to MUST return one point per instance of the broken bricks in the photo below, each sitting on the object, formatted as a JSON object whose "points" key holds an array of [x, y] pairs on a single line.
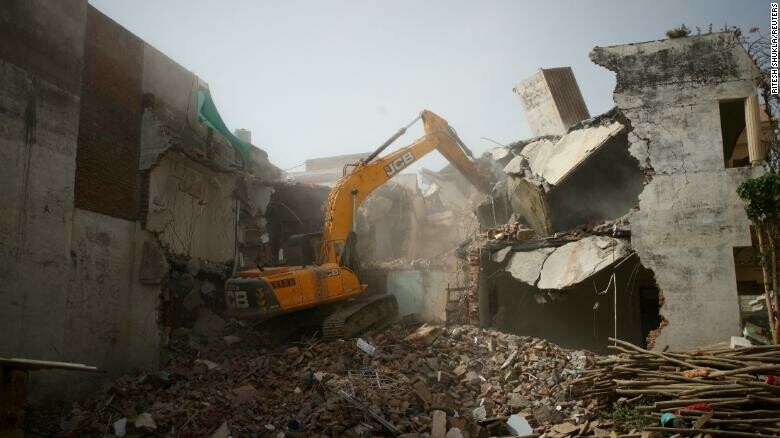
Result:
{"points": [[422, 392], [457, 381], [145, 421], [426, 334], [438, 424]]}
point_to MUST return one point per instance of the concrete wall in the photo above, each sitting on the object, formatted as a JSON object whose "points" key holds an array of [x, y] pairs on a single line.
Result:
{"points": [[588, 175], [191, 208], [421, 292], [539, 106], [552, 101], [192, 181], [41, 52], [171, 92], [690, 217], [84, 102], [109, 312]]}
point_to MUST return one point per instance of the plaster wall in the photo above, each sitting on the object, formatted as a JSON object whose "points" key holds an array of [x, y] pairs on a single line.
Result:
{"points": [[174, 88], [41, 53], [83, 284], [111, 317], [37, 161], [690, 216], [191, 208], [421, 292], [539, 106]]}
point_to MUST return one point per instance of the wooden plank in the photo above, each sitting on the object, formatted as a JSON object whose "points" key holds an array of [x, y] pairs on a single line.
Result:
{"points": [[32, 364]]}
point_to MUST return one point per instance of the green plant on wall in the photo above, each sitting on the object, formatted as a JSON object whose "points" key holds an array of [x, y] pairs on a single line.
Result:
{"points": [[762, 205], [678, 32]]}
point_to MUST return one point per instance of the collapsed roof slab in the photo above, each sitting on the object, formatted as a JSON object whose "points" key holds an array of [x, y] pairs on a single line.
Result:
{"points": [[554, 161], [528, 199], [586, 175], [527, 266], [567, 265], [576, 261]]}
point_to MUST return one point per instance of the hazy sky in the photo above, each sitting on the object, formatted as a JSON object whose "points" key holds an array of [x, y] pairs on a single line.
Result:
{"points": [[316, 78]]}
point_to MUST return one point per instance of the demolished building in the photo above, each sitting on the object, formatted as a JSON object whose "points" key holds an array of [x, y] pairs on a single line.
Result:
{"points": [[407, 232], [626, 225], [129, 202], [674, 93], [126, 195]]}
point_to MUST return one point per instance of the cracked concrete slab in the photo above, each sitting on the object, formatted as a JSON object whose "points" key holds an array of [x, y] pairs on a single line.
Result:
{"points": [[567, 265], [554, 161], [500, 255], [516, 166], [557, 183], [499, 153], [576, 261], [526, 266]]}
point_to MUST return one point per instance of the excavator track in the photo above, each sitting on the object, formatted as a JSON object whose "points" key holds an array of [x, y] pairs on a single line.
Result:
{"points": [[356, 317]]}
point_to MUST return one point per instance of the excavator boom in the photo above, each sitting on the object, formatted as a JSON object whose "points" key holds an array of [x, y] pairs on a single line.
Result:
{"points": [[262, 294], [367, 176]]}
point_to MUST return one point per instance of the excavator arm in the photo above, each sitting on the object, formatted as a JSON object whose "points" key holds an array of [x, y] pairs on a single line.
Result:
{"points": [[371, 173], [265, 293]]}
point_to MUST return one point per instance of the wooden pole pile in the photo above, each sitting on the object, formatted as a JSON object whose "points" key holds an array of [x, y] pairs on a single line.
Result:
{"points": [[733, 388]]}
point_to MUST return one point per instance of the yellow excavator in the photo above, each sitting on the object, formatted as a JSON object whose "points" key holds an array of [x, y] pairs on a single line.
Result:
{"points": [[326, 276]]}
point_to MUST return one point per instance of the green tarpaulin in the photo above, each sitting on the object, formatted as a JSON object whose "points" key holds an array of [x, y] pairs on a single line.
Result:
{"points": [[209, 116]]}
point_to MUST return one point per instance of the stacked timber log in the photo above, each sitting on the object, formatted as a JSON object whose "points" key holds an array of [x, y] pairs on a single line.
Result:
{"points": [[721, 392]]}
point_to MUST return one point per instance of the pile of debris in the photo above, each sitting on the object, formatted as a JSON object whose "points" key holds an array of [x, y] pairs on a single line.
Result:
{"points": [[405, 380], [516, 231], [511, 231], [719, 391]]}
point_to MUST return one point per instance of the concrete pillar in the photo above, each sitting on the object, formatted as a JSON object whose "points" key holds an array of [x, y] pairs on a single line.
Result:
{"points": [[753, 130]]}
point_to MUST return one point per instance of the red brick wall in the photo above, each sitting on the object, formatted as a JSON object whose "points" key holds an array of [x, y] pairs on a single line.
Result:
{"points": [[107, 177]]}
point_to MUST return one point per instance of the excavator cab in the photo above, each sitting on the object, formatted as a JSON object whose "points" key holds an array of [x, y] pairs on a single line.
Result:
{"points": [[349, 258], [302, 249]]}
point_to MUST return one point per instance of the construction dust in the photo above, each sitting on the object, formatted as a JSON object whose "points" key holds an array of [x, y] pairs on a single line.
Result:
{"points": [[162, 275]]}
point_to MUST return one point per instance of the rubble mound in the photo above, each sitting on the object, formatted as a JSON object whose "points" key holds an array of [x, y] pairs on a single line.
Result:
{"points": [[406, 379]]}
